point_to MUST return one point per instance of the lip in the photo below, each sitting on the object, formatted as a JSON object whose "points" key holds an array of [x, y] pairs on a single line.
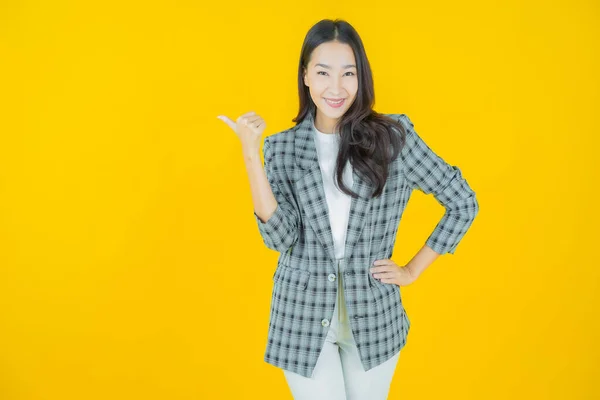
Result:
{"points": [[343, 100]]}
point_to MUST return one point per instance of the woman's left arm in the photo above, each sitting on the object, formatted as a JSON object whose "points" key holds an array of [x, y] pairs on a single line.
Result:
{"points": [[428, 172]]}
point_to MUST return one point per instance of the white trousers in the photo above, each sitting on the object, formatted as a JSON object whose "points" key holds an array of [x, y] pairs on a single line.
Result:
{"points": [[339, 374]]}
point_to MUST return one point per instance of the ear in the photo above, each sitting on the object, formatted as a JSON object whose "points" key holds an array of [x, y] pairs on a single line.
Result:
{"points": [[304, 77]]}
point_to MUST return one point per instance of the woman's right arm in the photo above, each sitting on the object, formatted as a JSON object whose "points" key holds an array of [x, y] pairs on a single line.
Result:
{"points": [[276, 218]]}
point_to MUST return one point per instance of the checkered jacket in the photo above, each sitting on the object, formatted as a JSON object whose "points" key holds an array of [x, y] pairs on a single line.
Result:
{"points": [[303, 298]]}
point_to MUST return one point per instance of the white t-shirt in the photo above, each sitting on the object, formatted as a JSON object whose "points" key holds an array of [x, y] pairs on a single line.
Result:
{"points": [[338, 202]]}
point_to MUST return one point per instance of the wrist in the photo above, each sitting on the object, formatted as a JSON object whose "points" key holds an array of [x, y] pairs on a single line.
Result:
{"points": [[250, 153], [412, 271]]}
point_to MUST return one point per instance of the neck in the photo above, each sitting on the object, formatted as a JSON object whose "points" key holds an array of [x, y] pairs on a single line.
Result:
{"points": [[325, 124]]}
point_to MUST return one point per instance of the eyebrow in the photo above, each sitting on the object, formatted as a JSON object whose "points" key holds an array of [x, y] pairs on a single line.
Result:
{"points": [[328, 67]]}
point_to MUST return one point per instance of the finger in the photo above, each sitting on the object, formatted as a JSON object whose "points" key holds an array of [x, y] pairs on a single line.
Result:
{"points": [[383, 261], [378, 265], [248, 120], [384, 275], [248, 114], [256, 123], [228, 121], [380, 271], [383, 268], [253, 118]]}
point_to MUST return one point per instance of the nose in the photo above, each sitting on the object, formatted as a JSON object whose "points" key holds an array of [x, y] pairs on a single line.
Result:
{"points": [[336, 84]]}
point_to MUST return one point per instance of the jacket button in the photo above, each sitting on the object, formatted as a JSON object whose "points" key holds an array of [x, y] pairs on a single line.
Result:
{"points": [[325, 322], [331, 277]]}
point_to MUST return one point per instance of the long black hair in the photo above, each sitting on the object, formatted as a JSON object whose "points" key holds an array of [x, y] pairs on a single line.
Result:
{"points": [[367, 137]]}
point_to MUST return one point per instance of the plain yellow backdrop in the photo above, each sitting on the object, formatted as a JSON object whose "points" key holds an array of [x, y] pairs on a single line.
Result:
{"points": [[130, 263]]}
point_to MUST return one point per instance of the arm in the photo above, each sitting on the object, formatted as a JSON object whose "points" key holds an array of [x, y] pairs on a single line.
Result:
{"points": [[276, 218], [428, 172]]}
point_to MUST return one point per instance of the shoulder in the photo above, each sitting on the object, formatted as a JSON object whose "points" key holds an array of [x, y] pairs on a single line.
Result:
{"points": [[409, 130], [402, 118], [278, 148], [280, 138]]}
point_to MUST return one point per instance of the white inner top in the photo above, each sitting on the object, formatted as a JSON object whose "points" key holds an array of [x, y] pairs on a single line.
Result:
{"points": [[338, 203]]}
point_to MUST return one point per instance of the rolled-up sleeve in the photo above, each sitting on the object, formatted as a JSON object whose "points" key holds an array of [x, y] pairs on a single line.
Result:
{"points": [[428, 172], [280, 231]]}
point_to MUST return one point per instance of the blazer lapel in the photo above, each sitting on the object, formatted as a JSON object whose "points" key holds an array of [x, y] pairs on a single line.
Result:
{"points": [[311, 194]]}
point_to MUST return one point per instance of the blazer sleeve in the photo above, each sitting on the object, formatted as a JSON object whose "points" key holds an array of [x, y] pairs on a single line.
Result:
{"points": [[280, 231], [428, 172]]}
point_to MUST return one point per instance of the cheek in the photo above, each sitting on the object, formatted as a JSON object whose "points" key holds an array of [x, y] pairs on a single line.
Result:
{"points": [[353, 88], [317, 88], [314, 94]]}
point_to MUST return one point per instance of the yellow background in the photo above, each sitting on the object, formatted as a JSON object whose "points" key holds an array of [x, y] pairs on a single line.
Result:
{"points": [[130, 263]]}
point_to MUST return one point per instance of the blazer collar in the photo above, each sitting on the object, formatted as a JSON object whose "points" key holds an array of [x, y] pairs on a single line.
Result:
{"points": [[311, 193]]}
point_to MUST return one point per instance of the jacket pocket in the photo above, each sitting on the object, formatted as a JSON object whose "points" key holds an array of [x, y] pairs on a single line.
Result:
{"points": [[291, 277]]}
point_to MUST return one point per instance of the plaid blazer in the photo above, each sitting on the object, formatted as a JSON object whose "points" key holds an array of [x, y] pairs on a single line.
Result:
{"points": [[304, 295]]}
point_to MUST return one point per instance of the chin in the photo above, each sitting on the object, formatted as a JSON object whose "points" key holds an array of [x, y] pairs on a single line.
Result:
{"points": [[332, 113]]}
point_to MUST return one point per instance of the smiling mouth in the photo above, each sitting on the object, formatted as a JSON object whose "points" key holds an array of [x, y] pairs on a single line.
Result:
{"points": [[334, 103]]}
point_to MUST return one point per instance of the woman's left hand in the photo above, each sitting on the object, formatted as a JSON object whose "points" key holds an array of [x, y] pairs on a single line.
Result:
{"points": [[387, 271]]}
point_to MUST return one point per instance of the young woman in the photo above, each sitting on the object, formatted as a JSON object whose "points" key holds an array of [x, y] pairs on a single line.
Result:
{"points": [[330, 199]]}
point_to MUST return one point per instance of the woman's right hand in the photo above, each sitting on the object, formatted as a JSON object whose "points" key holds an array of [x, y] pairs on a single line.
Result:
{"points": [[248, 127]]}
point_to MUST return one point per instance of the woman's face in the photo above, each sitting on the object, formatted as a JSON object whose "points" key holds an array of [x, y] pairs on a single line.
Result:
{"points": [[331, 75]]}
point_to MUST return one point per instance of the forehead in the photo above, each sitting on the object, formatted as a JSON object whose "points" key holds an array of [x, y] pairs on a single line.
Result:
{"points": [[334, 54]]}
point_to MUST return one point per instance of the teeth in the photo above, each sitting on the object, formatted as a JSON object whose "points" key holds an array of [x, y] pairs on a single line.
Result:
{"points": [[334, 102]]}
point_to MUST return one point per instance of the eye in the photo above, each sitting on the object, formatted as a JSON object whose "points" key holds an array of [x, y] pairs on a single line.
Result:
{"points": [[349, 72]]}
